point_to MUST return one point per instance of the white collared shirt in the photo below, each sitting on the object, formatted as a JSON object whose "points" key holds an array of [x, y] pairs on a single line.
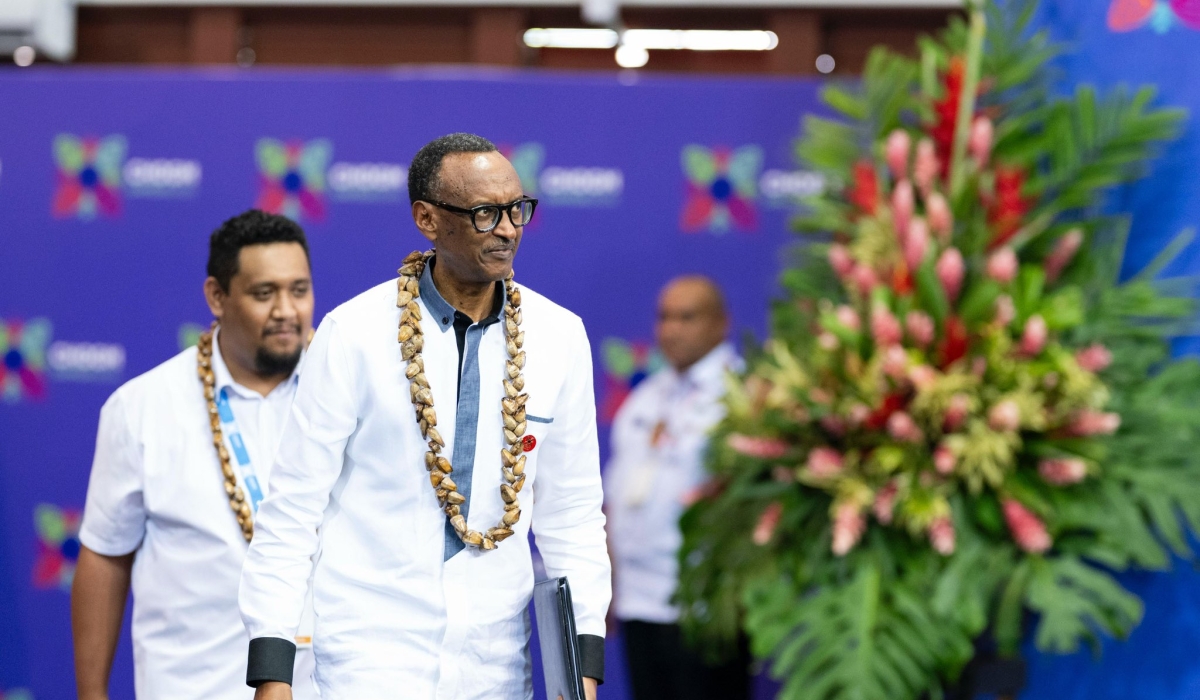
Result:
{"points": [[156, 488], [658, 442], [394, 617]]}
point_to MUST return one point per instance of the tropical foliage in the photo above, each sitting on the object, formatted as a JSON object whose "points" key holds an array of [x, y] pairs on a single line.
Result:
{"points": [[965, 417]]}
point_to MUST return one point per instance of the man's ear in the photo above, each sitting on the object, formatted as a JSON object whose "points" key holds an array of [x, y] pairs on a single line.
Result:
{"points": [[423, 217], [215, 297]]}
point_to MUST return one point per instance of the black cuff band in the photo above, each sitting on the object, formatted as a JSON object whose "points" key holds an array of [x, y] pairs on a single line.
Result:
{"points": [[271, 659], [591, 657]]}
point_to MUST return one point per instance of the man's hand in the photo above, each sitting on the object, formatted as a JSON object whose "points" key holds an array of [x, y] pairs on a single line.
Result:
{"points": [[589, 689], [98, 597], [273, 690]]}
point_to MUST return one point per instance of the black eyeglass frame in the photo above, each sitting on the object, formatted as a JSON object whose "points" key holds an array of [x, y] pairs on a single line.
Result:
{"points": [[504, 209]]}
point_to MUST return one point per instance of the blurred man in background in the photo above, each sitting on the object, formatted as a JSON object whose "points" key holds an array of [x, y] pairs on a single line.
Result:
{"points": [[182, 459], [658, 442]]}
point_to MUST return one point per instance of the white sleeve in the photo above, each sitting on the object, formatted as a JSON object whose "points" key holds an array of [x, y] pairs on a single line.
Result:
{"points": [[114, 517], [568, 522], [279, 562]]}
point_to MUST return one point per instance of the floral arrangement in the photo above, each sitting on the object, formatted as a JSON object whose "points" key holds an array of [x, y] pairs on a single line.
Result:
{"points": [[963, 414]]}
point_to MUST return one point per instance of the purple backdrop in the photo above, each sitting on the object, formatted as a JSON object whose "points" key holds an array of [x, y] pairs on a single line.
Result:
{"points": [[110, 182]]}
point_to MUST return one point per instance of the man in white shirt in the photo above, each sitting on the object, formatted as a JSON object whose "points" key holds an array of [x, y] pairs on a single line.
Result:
{"points": [[182, 459], [658, 443], [418, 519]]}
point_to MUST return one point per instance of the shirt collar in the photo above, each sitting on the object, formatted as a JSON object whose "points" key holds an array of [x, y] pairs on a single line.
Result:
{"points": [[443, 312], [223, 379], [710, 368]]}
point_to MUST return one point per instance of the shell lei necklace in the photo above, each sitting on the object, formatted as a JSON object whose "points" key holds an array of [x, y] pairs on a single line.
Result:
{"points": [[512, 407], [237, 498]]}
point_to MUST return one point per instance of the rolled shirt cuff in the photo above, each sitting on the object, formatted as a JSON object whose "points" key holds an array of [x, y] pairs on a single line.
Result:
{"points": [[271, 659], [591, 657]]}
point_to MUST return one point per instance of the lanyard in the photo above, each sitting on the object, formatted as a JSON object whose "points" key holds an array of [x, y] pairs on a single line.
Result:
{"points": [[229, 427]]}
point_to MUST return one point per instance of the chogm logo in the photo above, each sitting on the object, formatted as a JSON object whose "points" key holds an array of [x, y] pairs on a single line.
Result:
{"points": [[23, 349], [368, 182], [721, 188], [788, 188], [293, 177], [86, 362], [561, 185], [58, 546], [93, 172], [625, 364], [89, 175]]}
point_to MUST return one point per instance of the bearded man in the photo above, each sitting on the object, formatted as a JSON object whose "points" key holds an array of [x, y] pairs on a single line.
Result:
{"points": [[181, 465], [442, 416]]}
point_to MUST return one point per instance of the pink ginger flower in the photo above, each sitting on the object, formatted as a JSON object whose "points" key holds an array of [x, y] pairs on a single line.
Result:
{"points": [[902, 208], [895, 362], [944, 460], [1064, 251], [1027, 530], [1006, 311], [979, 366], [941, 221], [1062, 472], [824, 462], [916, 244], [848, 317], [1094, 357], [941, 536], [1088, 422], [926, 166], [885, 329], [834, 425], [1033, 339], [1005, 416], [885, 502], [841, 260], [767, 522], [902, 427], [865, 279], [759, 447], [957, 412], [1002, 265], [950, 270], [922, 377], [920, 327], [848, 528], [979, 143], [899, 143], [858, 414], [827, 341]]}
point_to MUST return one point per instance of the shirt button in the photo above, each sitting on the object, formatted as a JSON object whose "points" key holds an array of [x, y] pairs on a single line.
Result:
{"points": [[445, 319]]}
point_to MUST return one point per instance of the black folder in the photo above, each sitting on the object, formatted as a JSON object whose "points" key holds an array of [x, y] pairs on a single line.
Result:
{"points": [[559, 641]]}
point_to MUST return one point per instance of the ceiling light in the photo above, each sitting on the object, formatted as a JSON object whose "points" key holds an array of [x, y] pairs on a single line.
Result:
{"points": [[569, 38], [632, 56], [701, 39], [24, 56], [646, 39]]}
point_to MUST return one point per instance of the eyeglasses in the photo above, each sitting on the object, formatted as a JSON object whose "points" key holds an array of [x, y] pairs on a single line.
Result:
{"points": [[486, 217]]}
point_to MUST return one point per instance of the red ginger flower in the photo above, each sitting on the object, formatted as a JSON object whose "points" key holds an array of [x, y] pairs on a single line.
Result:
{"points": [[1007, 210], [864, 193], [1027, 530], [946, 111]]}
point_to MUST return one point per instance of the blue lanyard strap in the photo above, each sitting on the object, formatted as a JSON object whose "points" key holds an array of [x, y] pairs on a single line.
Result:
{"points": [[234, 436]]}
